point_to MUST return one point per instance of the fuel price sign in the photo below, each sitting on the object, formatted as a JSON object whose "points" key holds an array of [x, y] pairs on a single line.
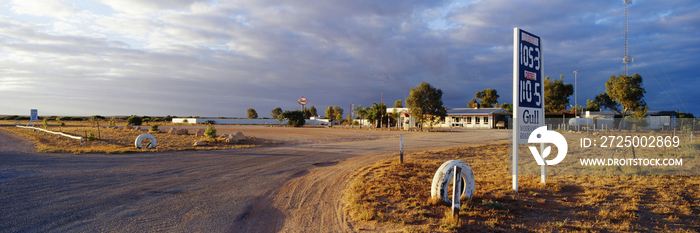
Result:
{"points": [[528, 87]]}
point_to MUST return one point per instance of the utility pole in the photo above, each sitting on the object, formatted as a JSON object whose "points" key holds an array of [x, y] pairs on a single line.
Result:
{"points": [[575, 92], [352, 111], [381, 120]]}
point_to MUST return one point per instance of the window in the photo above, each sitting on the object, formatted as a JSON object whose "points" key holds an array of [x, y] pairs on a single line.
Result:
{"points": [[455, 119], [477, 120], [469, 120], [486, 120]]}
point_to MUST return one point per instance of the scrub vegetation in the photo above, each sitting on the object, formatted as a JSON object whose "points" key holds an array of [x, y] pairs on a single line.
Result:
{"points": [[389, 195]]}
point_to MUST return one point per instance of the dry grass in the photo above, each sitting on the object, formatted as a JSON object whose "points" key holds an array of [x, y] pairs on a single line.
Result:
{"points": [[398, 195], [120, 140]]}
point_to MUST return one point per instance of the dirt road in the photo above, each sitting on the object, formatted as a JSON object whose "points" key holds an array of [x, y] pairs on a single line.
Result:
{"points": [[293, 187]]}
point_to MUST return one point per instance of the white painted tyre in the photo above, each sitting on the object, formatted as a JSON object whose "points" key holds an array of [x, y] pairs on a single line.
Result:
{"points": [[443, 176], [140, 138]]}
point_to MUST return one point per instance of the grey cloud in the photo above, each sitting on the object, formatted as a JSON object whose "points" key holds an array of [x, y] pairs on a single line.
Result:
{"points": [[226, 57]]}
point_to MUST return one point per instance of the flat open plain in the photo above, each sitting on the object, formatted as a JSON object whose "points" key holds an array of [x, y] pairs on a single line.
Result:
{"points": [[295, 186]]}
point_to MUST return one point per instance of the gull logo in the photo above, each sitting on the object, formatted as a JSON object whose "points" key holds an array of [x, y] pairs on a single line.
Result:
{"points": [[542, 135]]}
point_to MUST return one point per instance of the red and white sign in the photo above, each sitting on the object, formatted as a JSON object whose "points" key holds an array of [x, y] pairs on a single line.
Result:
{"points": [[530, 75], [303, 100]]}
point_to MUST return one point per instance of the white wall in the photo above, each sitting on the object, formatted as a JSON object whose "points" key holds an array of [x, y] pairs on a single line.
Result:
{"points": [[231, 121], [464, 124]]}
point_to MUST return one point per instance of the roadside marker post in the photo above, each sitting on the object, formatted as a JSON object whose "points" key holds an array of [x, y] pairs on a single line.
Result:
{"points": [[401, 149], [456, 191]]}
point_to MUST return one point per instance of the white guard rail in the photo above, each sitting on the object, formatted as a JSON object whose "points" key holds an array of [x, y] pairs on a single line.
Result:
{"points": [[36, 129]]}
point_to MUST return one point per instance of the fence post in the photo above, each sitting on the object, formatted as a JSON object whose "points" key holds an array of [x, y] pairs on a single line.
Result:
{"points": [[401, 149]]}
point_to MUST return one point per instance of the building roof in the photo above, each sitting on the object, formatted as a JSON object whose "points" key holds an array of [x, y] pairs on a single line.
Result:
{"points": [[473, 111]]}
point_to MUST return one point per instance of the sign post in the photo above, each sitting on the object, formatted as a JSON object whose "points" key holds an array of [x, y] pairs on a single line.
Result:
{"points": [[303, 101], [34, 116], [528, 91]]}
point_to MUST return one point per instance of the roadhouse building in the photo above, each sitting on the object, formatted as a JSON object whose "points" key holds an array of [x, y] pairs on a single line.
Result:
{"points": [[476, 118]]}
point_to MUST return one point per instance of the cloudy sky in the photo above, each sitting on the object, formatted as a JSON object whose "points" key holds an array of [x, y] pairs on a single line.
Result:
{"points": [[219, 58]]}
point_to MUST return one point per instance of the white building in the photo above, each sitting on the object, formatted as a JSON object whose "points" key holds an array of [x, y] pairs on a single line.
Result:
{"points": [[478, 118]]}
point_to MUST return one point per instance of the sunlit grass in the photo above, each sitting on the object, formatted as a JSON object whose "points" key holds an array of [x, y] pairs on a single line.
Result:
{"points": [[398, 195]]}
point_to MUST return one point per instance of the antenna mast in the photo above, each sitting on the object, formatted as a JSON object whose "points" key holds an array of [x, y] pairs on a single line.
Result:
{"points": [[627, 59]]}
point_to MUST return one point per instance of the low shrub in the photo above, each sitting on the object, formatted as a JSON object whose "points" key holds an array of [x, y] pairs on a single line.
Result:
{"points": [[154, 128], [210, 132], [136, 120], [91, 136]]}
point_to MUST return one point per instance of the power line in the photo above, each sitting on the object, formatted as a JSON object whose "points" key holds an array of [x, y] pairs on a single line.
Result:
{"points": [[662, 88], [669, 79]]}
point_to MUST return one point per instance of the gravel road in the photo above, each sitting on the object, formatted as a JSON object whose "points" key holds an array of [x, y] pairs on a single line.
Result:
{"points": [[293, 187]]}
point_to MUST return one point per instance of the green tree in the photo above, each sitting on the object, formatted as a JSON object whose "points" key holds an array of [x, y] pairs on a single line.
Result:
{"points": [[556, 94], [276, 112], [398, 104], [329, 113], [604, 101], [307, 113], [252, 114], [337, 109], [332, 113], [294, 118], [425, 104], [578, 109], [361, 112], [339, 117], [685, 115], [507, 107], [376, 113], [136, 120], [591, 105], [314, 112], [487, 97], [627, 92], [473, 103]]}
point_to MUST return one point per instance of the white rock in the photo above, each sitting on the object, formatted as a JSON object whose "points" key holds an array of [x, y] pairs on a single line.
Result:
{"points": [[239, 136]]}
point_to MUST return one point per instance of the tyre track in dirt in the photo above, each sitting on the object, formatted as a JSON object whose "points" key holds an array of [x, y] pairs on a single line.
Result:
{"points": [[314, 202]]}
